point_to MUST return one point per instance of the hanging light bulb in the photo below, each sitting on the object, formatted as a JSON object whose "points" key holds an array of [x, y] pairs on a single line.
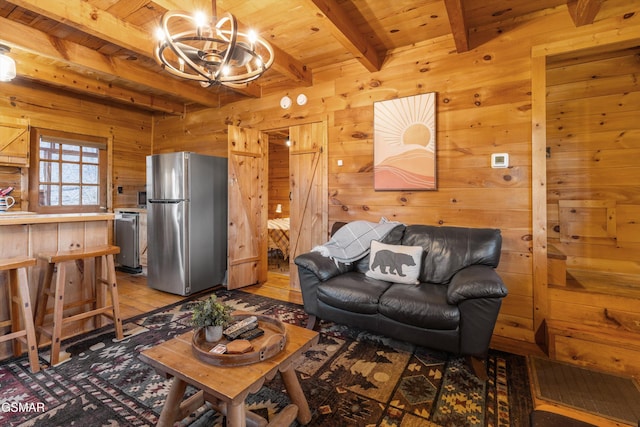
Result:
{"points": [[211, 52], [7, 65]]}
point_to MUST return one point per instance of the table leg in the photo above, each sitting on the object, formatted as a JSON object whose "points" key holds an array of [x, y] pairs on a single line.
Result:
{"points": [[172, 404], [294, 390], [236, 416]]}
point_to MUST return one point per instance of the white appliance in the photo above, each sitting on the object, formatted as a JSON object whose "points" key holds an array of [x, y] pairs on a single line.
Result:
{"points": [[186, 222]]}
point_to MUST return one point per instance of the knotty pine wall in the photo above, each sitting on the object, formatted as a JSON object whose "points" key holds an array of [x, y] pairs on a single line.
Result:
{"points": [[593, 168], [130, 132], [278, 179], [593, 207], [483, 107]]}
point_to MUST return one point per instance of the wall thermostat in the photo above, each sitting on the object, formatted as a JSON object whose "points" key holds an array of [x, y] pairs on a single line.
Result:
{"points": [[500, 160]]}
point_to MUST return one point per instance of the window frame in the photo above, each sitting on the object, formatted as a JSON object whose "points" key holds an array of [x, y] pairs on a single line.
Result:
{"points": [[101, 143]]}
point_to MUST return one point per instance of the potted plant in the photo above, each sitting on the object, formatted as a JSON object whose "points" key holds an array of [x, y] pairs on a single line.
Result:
{"points": [[211, 315]]}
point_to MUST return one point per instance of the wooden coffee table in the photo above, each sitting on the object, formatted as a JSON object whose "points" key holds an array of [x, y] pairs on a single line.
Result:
{"points": [[226, 388]]}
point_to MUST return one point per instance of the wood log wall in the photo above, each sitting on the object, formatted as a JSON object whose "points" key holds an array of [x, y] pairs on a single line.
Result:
{"points": [[483, 107], [593, 168], [593, 196], [278, 179], [129, 131]]}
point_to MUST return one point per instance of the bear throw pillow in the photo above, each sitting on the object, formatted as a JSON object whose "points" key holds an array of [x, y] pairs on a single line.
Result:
{"points": [[395, 263]]}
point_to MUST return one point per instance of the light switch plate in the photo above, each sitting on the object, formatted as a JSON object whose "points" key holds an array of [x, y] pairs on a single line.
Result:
{"points": [[500, 160]]}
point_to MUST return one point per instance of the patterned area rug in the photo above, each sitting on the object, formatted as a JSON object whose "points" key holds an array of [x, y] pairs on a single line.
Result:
{"points": [[350, 378]]}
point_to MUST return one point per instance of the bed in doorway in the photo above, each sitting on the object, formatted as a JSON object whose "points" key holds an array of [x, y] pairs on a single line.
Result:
{"points": [[279, 235]]}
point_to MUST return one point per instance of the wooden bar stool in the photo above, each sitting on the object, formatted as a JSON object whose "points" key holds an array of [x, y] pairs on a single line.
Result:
{"points": [[20, 306], [105, 274]]}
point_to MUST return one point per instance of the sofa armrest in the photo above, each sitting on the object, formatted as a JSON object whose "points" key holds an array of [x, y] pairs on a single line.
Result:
{"points": [[313, 269], [475, 281], [323, 267]]}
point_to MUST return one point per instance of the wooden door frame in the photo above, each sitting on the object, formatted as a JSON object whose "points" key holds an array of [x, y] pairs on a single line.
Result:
{"points": [[539, 54]]}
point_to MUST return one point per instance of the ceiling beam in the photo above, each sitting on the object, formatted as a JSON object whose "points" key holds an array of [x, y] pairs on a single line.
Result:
{"points": [[96, 22], [291, 68], [52, 75], [75, 55], [583, 12], [99, 23], [455, 10], [344, 31]]}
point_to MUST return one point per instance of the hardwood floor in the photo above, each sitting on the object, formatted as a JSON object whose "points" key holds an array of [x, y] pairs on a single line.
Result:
{"points": [[137, 298]]}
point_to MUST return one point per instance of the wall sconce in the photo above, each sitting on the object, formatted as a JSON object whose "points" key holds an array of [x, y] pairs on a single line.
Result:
{"points": [[279, 208], [7, 65]]}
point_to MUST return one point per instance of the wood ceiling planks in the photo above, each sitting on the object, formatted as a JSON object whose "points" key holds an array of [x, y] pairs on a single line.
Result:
{"points": [[306, 35]]}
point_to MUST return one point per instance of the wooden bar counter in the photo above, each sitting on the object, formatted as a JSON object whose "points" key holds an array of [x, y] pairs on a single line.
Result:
{"points": [[28, 234]]}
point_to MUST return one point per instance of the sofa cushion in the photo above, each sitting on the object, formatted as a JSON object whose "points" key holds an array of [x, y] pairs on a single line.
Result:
{"points": [[395, 263], [423, 305], [353, 292], [393, 238], [450, 249], [353, 240]]}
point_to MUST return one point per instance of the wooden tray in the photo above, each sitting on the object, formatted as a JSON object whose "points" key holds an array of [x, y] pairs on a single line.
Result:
{"points": [[264, 347]]}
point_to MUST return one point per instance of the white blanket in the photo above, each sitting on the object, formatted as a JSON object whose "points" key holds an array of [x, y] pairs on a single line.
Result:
{"points": [[353, 240]]}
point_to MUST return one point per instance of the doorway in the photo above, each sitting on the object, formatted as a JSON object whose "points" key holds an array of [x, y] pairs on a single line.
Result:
{"points": [[592, 172], [566, 138], [303, 196], [279, 192], [249, 199]]}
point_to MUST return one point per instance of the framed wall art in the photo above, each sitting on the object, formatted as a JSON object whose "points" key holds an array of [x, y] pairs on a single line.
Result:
{"points": [[404, 138]]}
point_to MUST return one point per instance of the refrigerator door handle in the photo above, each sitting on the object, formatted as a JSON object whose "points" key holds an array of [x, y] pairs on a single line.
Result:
{"points": [[166, 201]]}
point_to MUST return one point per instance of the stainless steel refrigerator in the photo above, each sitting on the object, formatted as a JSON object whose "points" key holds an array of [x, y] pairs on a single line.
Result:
{"points": [[186, 222]]}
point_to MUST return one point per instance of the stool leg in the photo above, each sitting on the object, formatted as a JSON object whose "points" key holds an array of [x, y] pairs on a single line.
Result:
{"points": [[43, 298], [58, 309], [100, 296], [14, 309], [113, 289], [27, 316]]}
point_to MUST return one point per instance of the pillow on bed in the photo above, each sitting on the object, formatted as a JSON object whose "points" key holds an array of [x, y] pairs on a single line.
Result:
{"points": [[395, 263]]}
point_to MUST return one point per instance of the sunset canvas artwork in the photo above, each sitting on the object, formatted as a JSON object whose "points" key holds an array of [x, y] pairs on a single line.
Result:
{"points": [[405, 143]]}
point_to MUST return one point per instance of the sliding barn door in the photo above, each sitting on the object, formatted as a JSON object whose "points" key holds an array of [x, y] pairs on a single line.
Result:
{"points": [[248, 160], [307, 167]]}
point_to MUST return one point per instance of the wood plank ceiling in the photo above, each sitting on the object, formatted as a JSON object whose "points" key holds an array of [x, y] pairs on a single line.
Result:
{"points": [[103, 48]]}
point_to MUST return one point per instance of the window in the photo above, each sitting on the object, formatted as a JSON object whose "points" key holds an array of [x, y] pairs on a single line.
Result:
{"points": [[68, 172]]}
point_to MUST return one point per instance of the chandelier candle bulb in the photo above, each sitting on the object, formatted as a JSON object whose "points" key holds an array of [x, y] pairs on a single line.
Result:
{"points": [[7, 65]]}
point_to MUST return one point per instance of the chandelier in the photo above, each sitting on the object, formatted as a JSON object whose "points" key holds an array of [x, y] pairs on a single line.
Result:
{"points": [[7, 65], [211, 52]]}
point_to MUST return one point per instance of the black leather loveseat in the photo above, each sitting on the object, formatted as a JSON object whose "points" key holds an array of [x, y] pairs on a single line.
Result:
{"points": [[453, 306]]}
